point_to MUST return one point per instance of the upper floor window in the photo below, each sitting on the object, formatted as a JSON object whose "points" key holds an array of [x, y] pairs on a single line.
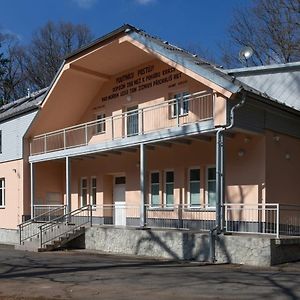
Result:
{"points": [[100, 127], [180, 106], [2, 192]]}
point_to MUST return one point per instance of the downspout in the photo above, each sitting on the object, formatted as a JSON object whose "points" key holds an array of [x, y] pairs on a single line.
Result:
{"points": [[220, 180]]}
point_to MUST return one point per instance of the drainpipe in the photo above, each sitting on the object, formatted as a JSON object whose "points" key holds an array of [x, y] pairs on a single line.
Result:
{"points": [[220, 180]]}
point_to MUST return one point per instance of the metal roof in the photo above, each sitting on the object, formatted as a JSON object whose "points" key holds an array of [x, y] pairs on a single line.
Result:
{"points": [[22, 105], [280, 82]]}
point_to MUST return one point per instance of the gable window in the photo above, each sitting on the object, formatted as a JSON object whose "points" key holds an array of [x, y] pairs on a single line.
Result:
{"points": [[194, 187], [83, 191], [211, 187], [169, 188], [2, 192], [100, 123], [154, 189], [93, 195], [180, 106]]}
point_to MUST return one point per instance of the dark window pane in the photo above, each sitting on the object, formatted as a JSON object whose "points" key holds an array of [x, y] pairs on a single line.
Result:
{"points": [[212, 174], [195, 175], [155, 177], [84, 183], [170, 176], [120, 180]]}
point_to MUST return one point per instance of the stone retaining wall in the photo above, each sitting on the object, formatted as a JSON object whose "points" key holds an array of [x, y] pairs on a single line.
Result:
{"points": [[9, 236], [179, 245]]}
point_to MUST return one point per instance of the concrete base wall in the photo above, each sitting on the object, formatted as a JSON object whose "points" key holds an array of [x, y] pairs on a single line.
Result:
{"points": [[187, 245], [179, 245], [9, 236]]}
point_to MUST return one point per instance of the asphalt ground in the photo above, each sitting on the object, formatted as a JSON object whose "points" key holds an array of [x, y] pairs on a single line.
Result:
{"points": [[85, 275]]}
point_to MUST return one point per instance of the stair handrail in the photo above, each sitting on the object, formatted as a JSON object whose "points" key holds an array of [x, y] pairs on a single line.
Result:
{"points": [[66, 218], [29, 222]]}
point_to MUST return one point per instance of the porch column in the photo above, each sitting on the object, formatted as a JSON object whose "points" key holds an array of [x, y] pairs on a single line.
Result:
{"points": [[68, 184], [220, 180], [32, 183], [143, 216]]}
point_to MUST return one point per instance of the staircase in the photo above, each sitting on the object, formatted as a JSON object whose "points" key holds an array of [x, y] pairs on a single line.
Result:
{"points": [[37, 235]]}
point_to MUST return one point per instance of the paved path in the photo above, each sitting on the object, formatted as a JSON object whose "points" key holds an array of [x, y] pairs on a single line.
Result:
{"points": [[79, 275]]}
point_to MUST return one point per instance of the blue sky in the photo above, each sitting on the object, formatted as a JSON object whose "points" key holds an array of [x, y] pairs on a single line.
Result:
{"points": [[182, 22]]}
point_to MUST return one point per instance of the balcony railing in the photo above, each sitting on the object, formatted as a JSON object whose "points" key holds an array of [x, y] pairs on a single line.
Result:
{"points": [[177, 112]]}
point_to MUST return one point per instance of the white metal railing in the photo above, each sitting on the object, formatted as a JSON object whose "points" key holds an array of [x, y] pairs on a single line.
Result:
{"points": [[289, 220], [252, 218], [268, 219], [48, 210], [44, 213], [189, 109], [177, 216]]}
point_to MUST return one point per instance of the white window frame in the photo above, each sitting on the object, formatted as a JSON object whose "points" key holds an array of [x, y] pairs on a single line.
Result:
{"points": [[2, 191], [165, 188], [180, 104], [91, 191], [206, 186], [101, 127], [159, 190], [200, 189], [87, 191]]}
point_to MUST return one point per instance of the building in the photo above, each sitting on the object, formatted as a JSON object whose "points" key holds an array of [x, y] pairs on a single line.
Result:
{"points": [[15, 119], [140, 129]]}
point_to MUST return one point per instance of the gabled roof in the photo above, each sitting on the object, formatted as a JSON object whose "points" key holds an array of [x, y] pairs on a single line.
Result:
{"points": [[280, 82], [172, 52], [22, 105]]}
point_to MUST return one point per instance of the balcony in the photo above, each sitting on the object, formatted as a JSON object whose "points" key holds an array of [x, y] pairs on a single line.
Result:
{"points": [[177, 112]]}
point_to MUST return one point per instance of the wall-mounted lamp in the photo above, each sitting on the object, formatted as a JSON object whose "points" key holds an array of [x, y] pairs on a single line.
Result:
{"points": [[287, 156], [128, 98], [241, 153], [14, 170], [276, 138]]}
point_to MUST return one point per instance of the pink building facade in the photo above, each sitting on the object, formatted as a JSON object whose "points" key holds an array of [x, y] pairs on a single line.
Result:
{"points": [[129, 126]]}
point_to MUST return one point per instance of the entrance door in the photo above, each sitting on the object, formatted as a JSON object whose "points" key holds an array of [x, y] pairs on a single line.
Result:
{"points": [[132, 121], [119, 201]]}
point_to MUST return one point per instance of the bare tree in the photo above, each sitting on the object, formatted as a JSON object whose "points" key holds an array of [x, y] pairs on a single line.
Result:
{"points": [[270, 28], [49, 45], [13, 82]]}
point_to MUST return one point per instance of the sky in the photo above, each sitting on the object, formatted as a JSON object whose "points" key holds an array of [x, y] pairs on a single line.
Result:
{"points": [[186, 23]]}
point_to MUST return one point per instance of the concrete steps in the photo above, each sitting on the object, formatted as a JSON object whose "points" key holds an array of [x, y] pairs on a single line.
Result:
{"points": [[33, 244]]}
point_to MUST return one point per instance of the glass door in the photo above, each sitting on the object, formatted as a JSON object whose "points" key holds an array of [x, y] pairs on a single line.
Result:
{"points": [[132, 122]]}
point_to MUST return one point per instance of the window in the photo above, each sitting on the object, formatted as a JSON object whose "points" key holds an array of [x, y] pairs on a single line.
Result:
{"points": [[2, 192], [180, 105], [83, 191], [101, 123], [93, 195], [194, 187], [169, 188], [211, 187], [154, 189]]}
